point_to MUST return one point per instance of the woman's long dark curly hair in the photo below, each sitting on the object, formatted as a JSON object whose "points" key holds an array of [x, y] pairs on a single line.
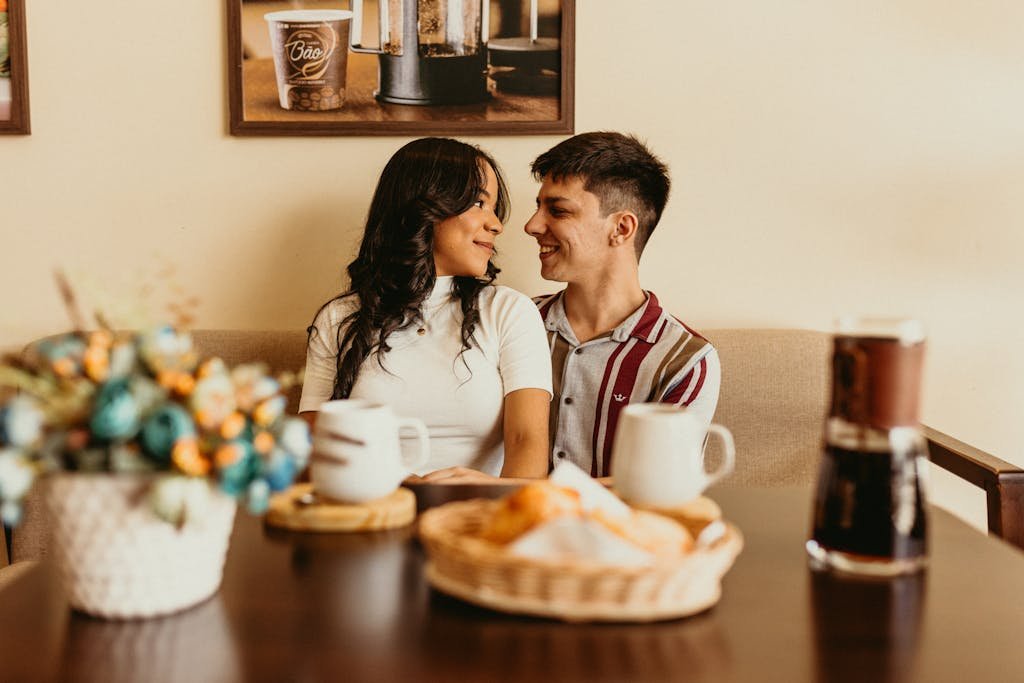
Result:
{"points": [[425, 182]]}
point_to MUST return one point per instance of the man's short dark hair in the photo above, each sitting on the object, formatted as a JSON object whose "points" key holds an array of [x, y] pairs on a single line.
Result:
{"points": [[619, 169]]}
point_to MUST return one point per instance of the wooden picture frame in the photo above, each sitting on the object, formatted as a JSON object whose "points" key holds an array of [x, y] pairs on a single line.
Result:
{"points": [[519, 106], [14, 118]]}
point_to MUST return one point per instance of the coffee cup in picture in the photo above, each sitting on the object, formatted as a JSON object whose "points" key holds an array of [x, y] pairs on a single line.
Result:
{"points": [[357, 453], [658, 455], [310, 57]]}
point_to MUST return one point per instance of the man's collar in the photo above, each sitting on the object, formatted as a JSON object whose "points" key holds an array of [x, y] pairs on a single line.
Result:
{"points": [[641, 324], [555, 319]]}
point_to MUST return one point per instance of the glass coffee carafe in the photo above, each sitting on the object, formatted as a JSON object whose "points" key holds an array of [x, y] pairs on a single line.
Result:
{"points": [[869, 512], [431, 51]]}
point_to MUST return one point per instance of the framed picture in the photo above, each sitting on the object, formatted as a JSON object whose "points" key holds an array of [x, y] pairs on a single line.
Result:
{"points": [[400, 67], [13, 69]]}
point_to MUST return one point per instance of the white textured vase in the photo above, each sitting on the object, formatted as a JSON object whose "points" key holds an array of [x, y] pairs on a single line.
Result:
{"points": [[119, 560]]}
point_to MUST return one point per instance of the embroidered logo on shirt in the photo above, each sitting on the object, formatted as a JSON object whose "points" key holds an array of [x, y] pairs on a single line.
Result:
{"points": [[619, 397]]}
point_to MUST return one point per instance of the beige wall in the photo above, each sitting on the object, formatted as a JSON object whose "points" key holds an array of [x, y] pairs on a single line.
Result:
{"points": [[827, 157]]}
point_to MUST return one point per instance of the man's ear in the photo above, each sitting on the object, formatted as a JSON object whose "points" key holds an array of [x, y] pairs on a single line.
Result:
{"points": [[624, 229]]}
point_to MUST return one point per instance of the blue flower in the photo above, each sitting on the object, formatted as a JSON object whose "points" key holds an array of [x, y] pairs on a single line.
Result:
{"points": [[279, 470], [258, 497], [237, 464], [163, 428], [116, 415]]}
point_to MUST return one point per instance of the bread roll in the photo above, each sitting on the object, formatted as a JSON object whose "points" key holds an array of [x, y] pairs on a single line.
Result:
{"points": [[533, 504]]}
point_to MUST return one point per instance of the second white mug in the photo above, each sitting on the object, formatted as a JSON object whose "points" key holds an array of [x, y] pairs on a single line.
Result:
{"points": [[658, 455], [357, 454]]}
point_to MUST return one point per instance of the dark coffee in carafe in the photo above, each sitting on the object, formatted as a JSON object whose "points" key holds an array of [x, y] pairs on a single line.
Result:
{"points": [[869, 513]]}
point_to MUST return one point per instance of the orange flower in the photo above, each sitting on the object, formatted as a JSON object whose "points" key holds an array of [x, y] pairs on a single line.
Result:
{"points": [[96, 361], [227, 455], [187, 458], [65, 367], [263, 443], [3, 5], [233, 425], [100, 338]]}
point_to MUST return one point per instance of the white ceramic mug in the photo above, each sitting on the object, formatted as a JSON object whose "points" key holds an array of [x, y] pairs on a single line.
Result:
{"points": [[357, 455], [658, 455]]}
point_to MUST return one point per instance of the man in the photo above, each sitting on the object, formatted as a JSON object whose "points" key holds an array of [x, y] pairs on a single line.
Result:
{"points": [[612, 344]]}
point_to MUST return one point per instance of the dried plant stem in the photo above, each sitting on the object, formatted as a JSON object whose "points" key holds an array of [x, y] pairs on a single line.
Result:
{"points": [[102, 321], [70, 303]]}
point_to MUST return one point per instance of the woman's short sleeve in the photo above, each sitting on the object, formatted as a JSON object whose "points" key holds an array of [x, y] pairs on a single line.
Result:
{"points": [[524, 359], [321, 359]]}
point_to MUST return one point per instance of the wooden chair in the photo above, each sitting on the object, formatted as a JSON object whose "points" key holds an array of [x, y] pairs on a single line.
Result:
{"points": [[1002, 482]]}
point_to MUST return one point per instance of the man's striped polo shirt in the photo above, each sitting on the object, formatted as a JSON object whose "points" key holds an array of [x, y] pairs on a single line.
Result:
{"points": [[650, 357]]}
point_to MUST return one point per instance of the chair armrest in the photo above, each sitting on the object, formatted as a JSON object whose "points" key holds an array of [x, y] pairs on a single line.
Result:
{"points": [[1002, 482]]}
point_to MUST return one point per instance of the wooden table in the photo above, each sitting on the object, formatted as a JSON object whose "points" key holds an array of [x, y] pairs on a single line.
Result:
{"points": [[303, 607]]}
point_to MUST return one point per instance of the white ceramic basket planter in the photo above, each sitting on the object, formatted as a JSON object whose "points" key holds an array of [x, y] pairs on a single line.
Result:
{"points": [[119, 560]]}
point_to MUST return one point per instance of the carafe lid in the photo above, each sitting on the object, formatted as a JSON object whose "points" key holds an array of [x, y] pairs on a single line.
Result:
{"points": [[876, 371]]}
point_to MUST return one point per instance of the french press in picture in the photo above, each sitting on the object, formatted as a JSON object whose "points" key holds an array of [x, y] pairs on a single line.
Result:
{"points": [[430, 52]]}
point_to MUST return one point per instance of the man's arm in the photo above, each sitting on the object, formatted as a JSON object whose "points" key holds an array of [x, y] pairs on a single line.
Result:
{"points": [[698, 389]]}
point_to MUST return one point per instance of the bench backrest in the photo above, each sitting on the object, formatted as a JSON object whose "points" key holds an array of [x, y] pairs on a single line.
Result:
{"points": [[774, 398]]}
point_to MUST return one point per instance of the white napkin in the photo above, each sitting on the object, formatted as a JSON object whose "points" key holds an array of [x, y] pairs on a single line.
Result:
{"points": [[583, 538], [593, 496], [579, 538]]}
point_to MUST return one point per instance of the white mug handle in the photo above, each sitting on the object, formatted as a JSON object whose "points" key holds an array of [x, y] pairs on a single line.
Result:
{"points": [[423, 437], [729, 453]]}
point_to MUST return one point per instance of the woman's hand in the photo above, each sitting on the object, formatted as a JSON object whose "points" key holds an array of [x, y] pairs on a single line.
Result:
{"points": [[458, 475], [526, 433]]}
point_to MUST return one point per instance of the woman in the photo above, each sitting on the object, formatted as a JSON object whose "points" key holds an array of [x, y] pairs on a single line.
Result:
{"points": [[423, 329]]}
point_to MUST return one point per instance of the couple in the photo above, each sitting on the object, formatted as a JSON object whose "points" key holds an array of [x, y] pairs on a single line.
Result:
{"points": [[423, 329]]}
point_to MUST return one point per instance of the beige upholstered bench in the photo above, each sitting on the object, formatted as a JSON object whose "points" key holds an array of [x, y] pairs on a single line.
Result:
{"points": [[774, 398]]}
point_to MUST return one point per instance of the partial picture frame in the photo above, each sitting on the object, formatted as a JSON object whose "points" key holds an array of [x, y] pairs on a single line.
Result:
{"points": [[14, 112], [401, 67]]}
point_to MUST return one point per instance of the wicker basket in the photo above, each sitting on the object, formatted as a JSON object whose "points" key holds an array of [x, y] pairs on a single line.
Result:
{"points": [[467, 567], [119, 560]]}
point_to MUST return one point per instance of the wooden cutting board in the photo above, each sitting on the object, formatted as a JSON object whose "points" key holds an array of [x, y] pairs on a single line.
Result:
{"points": [[299, 508]]}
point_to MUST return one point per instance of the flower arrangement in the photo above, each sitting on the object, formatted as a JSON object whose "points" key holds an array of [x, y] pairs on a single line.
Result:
{"points": [[144, 402]]}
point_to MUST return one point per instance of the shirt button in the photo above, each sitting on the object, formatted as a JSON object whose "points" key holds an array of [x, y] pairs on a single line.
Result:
{"points": [[562, 454], [578, 351], [567, 400]]}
